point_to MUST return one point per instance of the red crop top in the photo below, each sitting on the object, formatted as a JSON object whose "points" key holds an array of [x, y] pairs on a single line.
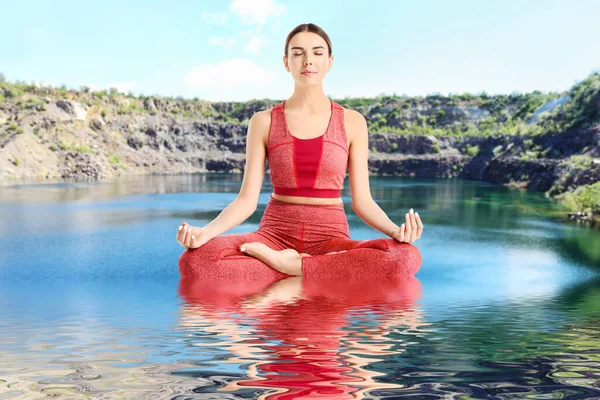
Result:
{"points": [[313, 167]]}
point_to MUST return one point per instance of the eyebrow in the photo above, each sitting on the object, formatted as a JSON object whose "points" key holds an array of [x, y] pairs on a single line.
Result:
{"points": [[302, 48]]}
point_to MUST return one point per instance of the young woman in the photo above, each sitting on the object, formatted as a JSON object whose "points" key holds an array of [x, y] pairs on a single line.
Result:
{"points": [[308, 141]]}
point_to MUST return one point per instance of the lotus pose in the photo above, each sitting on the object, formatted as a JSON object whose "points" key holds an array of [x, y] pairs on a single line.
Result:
{"points": [[309, 141]]}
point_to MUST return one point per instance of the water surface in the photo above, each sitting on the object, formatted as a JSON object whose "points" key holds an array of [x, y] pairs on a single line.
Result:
{"points": [[506, 304]]}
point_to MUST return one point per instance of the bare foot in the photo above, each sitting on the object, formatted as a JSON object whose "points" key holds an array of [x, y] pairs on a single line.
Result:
{"points": [[288, 261], [284, 291]]}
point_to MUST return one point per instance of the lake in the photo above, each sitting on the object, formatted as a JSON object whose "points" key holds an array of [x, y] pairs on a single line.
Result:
{"points": [[506, 304]]}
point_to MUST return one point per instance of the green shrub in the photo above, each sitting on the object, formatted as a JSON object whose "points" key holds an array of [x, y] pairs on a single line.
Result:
{"points": [[471, 151], [581, 109], [584, 198], [436, 148], [14, 128], [13, 92], [75, 147], [16, 161], [579, 161], [497, 151], [82, 149], [529, 155], [100, 93]]}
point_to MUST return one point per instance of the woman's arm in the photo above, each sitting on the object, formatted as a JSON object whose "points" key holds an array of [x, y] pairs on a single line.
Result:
{"points": [[245, 203], [358, 170]]}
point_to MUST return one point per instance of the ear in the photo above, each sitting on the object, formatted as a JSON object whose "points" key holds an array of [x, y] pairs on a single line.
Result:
{"points": [[284, 59]]}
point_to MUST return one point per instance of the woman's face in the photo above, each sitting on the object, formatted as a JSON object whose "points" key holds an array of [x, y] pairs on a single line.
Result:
{"points": [[308, 51]]}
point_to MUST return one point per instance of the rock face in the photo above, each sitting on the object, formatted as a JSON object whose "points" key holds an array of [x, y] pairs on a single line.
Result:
{"points": [[71, 139], [72, 108], [537, 162], [81, 165]]}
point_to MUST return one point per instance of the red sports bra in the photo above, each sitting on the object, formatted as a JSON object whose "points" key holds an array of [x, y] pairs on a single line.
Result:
{"points": [[313, 167]]}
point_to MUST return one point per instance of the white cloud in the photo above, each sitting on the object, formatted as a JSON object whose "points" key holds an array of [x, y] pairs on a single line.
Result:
{"points": [[218, 18], [228, 43], [254, 45], [256, 11], [248, 33], [255, 41], [276, 26], [227, 74]]}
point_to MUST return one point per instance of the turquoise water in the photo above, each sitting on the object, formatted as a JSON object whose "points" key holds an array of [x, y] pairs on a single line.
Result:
{"points": [[506, 304]]}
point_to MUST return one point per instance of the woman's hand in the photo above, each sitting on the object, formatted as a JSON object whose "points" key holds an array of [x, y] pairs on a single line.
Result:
{"points": [[411, 230], [191, 237]]}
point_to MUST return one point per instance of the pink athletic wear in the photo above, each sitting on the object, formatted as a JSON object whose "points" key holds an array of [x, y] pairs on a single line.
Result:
{"points": [[314, 167], [307, 228], [306, 341]]}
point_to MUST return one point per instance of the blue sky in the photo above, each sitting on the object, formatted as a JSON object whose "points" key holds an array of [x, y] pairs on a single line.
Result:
{"points": [[232, 50]]}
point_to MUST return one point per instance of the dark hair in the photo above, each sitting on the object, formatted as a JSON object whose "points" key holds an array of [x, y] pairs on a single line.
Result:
{"points": [[307, 28]]}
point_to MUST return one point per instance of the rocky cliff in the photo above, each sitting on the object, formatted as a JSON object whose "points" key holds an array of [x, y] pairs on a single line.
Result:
{"points": [[525, 140]]}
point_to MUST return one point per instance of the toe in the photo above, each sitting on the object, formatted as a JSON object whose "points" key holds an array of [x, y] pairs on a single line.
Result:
{"points": [[252, 247]]}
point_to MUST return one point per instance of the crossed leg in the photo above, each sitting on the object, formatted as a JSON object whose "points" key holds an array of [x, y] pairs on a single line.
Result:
{"points": [[265, 258], [342, 257], [221, 257], [363, 259]]}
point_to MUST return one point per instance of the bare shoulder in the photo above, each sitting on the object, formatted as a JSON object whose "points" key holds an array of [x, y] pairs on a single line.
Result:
{"points": [[354, 122], [260, 123], [261, 118]]}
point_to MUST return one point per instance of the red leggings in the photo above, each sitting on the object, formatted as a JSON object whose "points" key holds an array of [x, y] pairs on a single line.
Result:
{"points": [[312, 229]]}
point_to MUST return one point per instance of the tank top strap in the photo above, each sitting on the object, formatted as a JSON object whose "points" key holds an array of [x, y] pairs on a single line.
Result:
{"points": [[337, 131], [277, 130]]}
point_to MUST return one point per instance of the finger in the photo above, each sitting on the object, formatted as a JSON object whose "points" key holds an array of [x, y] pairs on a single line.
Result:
{"points": [[407, 229], [186, 234], [414, 225], [189, 242], [189, 236], [193, 242], [179, 231], [402, 229], [419, 225], [413, 220]]}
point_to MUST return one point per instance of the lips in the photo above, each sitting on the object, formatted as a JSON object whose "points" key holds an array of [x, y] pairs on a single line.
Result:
{"points": [[308, 73]]}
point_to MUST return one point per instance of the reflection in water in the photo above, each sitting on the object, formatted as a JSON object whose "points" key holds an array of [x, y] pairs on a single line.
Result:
{"points": [[306, 338], [86, 190], [89, 304]]}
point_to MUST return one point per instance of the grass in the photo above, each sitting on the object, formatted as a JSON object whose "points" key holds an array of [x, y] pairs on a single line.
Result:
{"points": [[75, 147], [584, 198]]}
